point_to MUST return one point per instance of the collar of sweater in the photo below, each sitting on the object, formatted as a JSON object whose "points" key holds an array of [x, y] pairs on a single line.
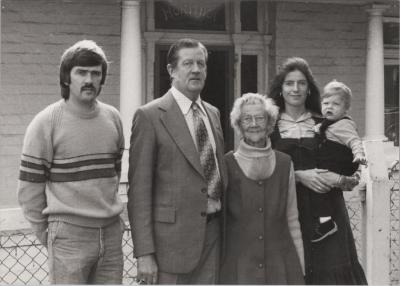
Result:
{"points": [[248, 151], [81, 113], [256, 163]]}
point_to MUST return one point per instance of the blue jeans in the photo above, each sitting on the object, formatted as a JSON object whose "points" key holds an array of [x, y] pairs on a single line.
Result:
{"points": [[83, 255]]}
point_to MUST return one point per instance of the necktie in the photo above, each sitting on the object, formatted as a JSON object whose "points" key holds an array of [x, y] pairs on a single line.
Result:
{"points": [[207, 159]]}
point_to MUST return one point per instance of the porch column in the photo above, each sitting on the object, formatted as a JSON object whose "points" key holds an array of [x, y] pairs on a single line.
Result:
{"points": [[375, 97], [131, 64], [376, 215], [130, 74], [0, 43], [377, 211]]}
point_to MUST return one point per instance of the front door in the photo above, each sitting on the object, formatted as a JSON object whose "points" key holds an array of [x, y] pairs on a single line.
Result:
{"points": [[218, 89]]}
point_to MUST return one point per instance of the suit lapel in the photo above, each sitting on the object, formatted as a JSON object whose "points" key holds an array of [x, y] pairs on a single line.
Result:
{"points": [[175, 123]]}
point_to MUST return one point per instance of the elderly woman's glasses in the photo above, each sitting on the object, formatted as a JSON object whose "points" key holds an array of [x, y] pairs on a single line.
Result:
{"points": [[248, 119]]}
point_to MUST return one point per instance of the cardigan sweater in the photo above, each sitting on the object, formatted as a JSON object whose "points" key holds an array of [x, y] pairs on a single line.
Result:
{"points": [[71, 165]]}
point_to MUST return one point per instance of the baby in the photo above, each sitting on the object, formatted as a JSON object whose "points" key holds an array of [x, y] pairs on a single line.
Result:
{"points": [[340, 150]]}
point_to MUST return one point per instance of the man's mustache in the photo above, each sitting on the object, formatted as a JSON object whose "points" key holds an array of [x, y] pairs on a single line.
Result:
{"points": [[87, 86]]}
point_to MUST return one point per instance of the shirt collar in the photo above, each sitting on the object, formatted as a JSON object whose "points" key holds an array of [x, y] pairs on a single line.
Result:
{"points": [[305, 116], [185, 103]]}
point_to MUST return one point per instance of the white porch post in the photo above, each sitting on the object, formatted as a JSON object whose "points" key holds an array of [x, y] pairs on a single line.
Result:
{"points": [[377, 211], [375, 99], [131, 69], [131, 64], [376, 216], [1, 8]]}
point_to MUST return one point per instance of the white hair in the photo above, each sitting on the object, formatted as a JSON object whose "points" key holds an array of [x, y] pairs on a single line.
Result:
{"points": [[271, 110]]}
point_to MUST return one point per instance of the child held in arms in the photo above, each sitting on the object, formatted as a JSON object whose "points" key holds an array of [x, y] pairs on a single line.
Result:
{"points": [[340, 150]]}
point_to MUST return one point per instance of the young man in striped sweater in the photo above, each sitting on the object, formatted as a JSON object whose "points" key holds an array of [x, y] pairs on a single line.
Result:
{"points": [[69, 174]]}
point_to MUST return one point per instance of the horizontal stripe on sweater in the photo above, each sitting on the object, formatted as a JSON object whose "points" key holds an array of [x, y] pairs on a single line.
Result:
{"points": [[78, 168], [32, 177], [35, 160], [83, 163], [83, 175], [31, 165], [87, 157]]}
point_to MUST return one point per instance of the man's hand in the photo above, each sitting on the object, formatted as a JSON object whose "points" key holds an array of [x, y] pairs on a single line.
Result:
{"points": [[147, 271]]}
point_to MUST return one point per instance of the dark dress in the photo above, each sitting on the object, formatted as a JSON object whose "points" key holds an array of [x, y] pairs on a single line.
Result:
{"points": [[334, 259], [258, 248]]}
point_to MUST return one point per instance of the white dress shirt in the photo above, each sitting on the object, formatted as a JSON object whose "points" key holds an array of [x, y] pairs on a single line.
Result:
{"points": [[185, 104]]}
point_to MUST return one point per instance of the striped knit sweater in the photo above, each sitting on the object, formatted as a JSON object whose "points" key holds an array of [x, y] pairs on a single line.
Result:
{"points": [[70, 166]]}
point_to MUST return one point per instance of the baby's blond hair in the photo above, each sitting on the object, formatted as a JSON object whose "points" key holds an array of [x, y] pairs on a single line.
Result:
{"points": [[335, 87]]}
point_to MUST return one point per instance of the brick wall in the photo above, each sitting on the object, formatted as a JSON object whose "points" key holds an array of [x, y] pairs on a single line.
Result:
{"points": [[332, 38], [34, 35]]}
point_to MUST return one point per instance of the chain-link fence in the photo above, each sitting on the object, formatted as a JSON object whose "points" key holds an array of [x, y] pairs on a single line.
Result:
{"points": [[395, 224], [23, 260], [355, 204]]}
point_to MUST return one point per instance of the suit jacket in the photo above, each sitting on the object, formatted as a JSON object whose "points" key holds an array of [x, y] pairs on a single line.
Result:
{"points": [[167, 196]]}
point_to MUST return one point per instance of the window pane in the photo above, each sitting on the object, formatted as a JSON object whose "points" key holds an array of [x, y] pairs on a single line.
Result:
{"points": [[190, 15], [248, 15], [391, 33], [249, 74], [392, 103]]}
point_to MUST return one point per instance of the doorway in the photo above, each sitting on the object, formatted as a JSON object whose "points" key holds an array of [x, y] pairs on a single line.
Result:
{"points": [[218, 89]]}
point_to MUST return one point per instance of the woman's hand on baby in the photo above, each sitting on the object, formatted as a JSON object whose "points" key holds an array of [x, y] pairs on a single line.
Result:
{"points": [[313, 179], [347, 183]]}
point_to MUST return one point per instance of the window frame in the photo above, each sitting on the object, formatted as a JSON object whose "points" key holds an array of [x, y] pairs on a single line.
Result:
{"points": [[391, 58]]}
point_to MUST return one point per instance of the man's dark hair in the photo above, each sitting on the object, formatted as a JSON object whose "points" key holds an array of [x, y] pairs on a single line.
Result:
{"points": [[84, 53], [172, 57], [313, 101]]}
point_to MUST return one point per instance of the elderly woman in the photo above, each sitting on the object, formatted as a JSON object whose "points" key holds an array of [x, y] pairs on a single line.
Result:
{"points": [[263, 243], [332, 260]]}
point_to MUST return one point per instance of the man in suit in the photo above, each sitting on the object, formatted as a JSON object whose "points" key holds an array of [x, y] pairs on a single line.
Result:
{"points": [[176, 177]]}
